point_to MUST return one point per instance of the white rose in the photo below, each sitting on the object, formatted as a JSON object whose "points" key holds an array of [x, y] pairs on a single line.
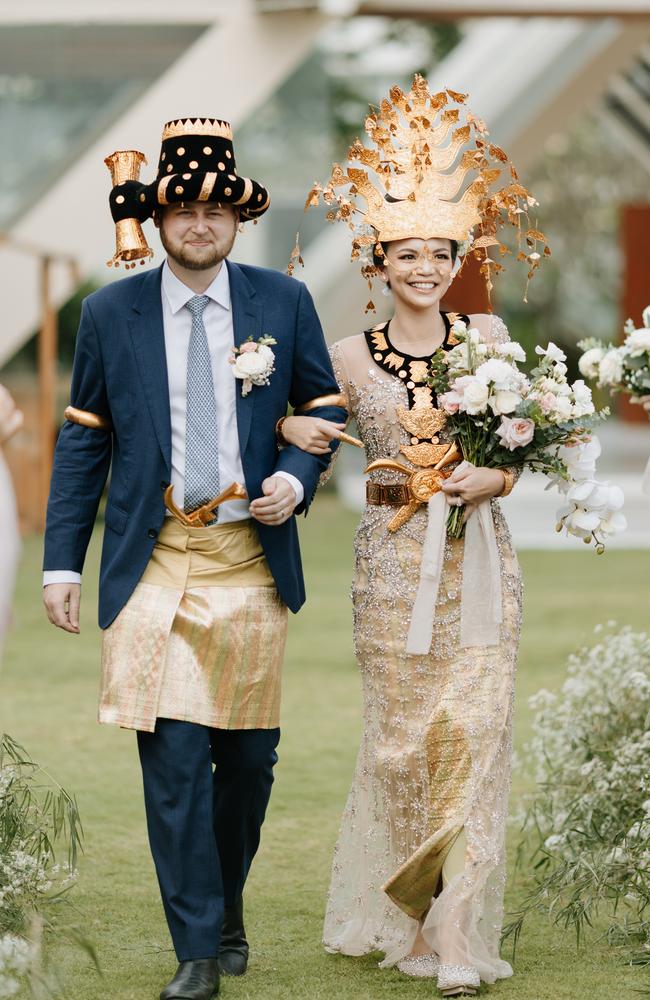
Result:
{"points": [[474, 392], [610, 369], [265, 352], [511, 350], [588, 363], [505, 401], [250, 365], [638, 342], [501, 374]]}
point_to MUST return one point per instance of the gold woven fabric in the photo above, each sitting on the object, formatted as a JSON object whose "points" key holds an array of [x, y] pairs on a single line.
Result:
{"points": [[202, 637]]}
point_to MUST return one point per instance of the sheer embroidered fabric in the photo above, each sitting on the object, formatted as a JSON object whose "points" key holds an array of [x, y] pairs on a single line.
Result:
{"points": [[428, 802]]}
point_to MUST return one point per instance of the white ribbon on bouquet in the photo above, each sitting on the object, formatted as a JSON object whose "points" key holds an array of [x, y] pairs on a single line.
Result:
{"points": [[481, 611]]}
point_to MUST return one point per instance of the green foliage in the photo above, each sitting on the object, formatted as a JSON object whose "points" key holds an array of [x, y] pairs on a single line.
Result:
{"points": [[587, 830], [36, 813]]}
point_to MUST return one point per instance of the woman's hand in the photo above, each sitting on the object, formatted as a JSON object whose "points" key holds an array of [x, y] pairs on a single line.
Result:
{"points": [[312, 434], [472, 486]]}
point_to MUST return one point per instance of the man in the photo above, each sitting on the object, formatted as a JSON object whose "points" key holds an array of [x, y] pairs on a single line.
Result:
{"points": [[196, 574]]}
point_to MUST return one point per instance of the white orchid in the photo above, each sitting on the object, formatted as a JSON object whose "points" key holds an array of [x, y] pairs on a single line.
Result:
{"points": [[551, 352], [592, 511]]}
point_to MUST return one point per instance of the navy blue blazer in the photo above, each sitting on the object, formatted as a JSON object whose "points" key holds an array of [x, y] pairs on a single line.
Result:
{"points": [[120, 372]]}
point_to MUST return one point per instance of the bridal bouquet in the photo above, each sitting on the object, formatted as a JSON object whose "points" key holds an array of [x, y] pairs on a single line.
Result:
{"points": [[622, 368], [502, 417]]}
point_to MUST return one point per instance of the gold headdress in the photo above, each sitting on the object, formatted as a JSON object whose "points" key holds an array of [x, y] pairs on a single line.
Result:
{"points": [[422, 155]]}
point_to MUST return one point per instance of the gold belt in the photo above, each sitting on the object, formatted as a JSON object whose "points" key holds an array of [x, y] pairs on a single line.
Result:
{"points": [[420, 486], [393, 494]]}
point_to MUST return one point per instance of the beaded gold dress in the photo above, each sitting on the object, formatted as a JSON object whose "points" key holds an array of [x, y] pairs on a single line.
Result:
{"points": [[422, 836]]}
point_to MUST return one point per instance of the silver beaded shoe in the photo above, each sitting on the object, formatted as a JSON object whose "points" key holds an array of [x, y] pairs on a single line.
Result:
{"points": [[422, 966], [458, 980]]}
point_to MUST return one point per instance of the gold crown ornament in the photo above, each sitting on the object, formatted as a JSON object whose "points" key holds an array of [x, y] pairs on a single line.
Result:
{"points": [[429, 171], [196, 163]]}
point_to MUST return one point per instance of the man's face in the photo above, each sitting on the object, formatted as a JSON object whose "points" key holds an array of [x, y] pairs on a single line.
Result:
{"points": [[198, 234]]}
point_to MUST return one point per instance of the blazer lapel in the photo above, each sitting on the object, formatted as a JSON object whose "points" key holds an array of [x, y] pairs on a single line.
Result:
{"points": [[148, 336], [247, 321]]}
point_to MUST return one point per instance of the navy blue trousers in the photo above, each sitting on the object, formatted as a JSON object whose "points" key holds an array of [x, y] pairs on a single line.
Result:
{"points": [[206, 793]]}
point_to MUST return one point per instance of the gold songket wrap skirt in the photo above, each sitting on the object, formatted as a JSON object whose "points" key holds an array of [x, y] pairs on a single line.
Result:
{"points": [[202, 637]]}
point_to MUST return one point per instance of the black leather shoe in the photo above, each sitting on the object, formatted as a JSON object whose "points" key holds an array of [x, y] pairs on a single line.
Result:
{"points": [[233, 950], [197, 979]]}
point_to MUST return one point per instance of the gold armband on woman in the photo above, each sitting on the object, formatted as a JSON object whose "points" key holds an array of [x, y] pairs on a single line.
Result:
{"points": [[335, 399], [509, 480]]}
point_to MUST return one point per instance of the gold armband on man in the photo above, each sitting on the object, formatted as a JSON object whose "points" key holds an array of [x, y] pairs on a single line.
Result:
{"points": [[87, 419]]}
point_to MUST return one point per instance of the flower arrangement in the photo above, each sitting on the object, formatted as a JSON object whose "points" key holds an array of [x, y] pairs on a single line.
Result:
{"points": [[587, 829], [622, 368], [502, 417], [253, 362], [35, 812]]}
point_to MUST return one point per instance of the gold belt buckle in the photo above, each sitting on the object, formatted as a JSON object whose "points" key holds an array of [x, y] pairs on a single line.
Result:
{"points": [[421, 484], [200, 517]]}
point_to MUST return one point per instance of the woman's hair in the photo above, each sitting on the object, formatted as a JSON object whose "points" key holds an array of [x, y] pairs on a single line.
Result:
{"points": [[379, 261]]}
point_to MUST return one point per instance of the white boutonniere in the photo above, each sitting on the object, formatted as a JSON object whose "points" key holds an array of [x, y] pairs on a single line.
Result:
{"points": [[253, 362]]}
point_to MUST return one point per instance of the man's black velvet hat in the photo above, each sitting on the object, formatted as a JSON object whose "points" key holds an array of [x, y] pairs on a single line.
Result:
{"points": [[197, 163]]}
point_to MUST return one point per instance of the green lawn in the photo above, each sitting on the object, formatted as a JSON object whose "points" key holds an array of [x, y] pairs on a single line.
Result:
{"points": [[49, 700]]}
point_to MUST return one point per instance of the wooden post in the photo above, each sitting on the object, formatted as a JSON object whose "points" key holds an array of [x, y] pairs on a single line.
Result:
{"points": [[635, 291], [47, 381]]}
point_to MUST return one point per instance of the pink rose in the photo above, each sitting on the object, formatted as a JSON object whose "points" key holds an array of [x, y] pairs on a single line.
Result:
{"points": [[547, 402], [450, 401], [248, 346], [516, 432]]}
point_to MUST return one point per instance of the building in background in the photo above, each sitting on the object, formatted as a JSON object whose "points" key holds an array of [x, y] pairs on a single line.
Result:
{"points": [[566, 94]]}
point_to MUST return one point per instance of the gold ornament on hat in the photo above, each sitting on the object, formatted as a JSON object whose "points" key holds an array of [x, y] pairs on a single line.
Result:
{"points": [[197, 126], [429, 171], [130, 241]]}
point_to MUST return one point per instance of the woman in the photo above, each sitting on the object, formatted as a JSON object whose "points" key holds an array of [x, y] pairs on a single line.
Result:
{"points": [[419, 866], [11, 420]]}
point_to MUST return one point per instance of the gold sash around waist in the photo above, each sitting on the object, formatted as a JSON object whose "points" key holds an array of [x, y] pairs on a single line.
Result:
{"points": [[219, 555]]}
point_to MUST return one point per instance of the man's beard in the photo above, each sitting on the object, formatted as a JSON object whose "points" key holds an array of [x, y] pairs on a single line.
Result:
{"points": [[194, 259]]}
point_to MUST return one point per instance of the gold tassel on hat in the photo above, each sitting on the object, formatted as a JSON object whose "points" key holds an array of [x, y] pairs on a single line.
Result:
{"points": [[130, 242]]}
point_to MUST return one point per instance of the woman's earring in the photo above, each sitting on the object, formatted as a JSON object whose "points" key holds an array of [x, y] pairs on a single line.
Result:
{"points": [[385, 291], [240, 227]]}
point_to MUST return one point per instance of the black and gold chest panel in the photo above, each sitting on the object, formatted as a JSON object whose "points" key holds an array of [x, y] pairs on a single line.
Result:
{"points": [[412, 371], [422, 420]]}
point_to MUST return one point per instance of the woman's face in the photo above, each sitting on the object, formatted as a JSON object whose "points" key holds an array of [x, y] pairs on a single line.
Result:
{"points": [[419, 271]]}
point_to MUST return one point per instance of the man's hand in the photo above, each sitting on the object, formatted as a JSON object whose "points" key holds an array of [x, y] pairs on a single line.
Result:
{"points": [[62, 602], [277, 504]]}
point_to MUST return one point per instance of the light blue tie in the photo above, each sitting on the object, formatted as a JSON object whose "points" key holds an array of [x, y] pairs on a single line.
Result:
{"points": [[202, 430]]}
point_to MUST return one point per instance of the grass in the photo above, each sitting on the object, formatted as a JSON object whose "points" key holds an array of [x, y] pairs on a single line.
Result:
{"points": [[49, 697]]}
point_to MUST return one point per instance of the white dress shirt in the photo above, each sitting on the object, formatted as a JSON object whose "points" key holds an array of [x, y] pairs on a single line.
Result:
{"points": [[177, 324]]}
